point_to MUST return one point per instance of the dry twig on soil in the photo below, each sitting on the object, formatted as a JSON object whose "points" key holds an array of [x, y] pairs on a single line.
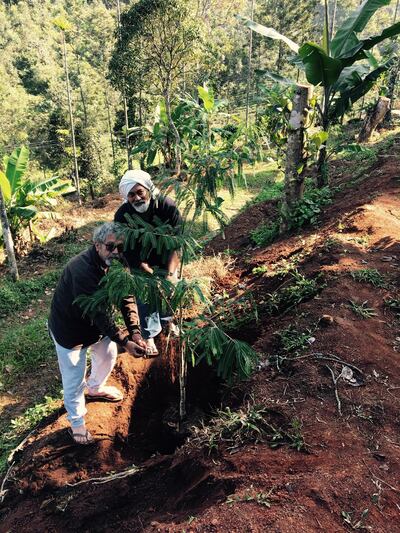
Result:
{"points": [[107, 479]]}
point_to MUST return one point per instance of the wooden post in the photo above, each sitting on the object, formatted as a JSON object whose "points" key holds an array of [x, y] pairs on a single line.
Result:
{"points": [[373, 119], [8, 240], [295, 158]]}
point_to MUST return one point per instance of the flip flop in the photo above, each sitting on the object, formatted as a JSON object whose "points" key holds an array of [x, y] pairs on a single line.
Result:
{"points": [[108, 394], [151, 349], [83, 439]]}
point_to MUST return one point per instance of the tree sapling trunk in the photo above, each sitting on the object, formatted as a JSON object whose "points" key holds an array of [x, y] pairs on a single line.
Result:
{"points": [[295, 157], [374, 118], [8, 240]]}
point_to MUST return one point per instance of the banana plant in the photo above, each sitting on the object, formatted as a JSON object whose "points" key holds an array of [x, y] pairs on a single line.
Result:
{"points": [[332, 64], [26, 199]]}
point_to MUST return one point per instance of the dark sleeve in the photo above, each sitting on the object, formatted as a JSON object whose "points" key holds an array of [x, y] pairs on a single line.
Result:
{"points": [[88, 284], [169, 212], [130, 313], [119, 215]]}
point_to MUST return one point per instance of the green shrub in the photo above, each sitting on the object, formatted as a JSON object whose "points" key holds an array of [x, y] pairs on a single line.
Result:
{"points": [[308, 209], [265, 233]]}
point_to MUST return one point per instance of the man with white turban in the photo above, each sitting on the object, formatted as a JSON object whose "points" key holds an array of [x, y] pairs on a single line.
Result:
{"points": [[143, 199]]}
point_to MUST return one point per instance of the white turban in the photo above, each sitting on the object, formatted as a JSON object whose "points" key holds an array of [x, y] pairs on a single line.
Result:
{"points": [[131, 178]]}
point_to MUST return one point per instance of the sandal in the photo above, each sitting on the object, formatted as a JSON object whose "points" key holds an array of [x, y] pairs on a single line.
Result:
{"points": [[108, 394], [82, 439], [151, 349]]}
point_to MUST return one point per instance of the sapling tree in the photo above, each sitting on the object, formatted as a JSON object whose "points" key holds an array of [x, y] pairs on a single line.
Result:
{"points": [[202, 336]]}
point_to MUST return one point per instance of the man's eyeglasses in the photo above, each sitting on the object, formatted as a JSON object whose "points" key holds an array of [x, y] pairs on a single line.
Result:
{"points": [[110, 247]]}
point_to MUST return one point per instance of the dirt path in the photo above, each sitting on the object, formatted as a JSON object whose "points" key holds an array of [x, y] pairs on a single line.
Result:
{"points": [[345, 478]]}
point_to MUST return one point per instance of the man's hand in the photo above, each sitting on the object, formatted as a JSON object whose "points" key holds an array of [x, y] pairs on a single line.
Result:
{"points": [[138, 339], [135, 349]]}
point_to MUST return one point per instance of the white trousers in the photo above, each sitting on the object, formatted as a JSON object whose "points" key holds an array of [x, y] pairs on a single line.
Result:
{"points": [[72, 363]]}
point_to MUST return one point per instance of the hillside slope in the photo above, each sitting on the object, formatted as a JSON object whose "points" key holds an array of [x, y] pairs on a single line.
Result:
{"points": [[325, 454]]}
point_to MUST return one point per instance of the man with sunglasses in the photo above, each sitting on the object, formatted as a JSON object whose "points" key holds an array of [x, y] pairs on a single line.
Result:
{"points": [[73, 332]]}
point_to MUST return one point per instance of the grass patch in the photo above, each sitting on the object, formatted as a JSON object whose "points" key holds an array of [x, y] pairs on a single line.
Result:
{"points": [[292, 341], [14, 296], [20, 426], [362, 310], [23, 347], [369, 275], [300, 290], [250, 424]]}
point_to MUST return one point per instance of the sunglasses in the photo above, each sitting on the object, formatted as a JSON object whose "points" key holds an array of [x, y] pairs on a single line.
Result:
{"points": [[110, 247]]}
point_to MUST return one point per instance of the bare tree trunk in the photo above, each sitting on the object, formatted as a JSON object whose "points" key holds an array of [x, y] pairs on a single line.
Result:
{"points": [[374, 118], [177, 147], [249, 67], [8, 240], [295, 157], [128, 152], [71, 120], [110, 129]]}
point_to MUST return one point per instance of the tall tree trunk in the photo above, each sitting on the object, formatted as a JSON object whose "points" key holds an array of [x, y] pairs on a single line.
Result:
{"points": [[177, 147], [295, 157], [374, 118], [71, 119], [124, 100], [249, 71], [110, 129], [8, 240]]}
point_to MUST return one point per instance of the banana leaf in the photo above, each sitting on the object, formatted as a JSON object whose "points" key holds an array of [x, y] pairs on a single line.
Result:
{"points": [[358, 52], [271, 33], [345, 38], [348, 97], [5, 187], [16, 167], [320, 68]]}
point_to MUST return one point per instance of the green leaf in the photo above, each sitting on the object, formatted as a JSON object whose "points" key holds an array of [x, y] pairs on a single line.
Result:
{"points": [[320, 68], [207, 97], [345, 38], [359, 51], [319, 138], [27, 212], [348, 97], [5, 187], [16, 167], [270, 32]]}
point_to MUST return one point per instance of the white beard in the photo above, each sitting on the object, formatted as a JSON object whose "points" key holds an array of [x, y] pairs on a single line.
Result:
{"points": [[141, 208]]}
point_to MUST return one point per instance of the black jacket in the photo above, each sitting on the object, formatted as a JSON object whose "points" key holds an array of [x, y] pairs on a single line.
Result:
{"points": [[66, 321], [163, 208]]}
